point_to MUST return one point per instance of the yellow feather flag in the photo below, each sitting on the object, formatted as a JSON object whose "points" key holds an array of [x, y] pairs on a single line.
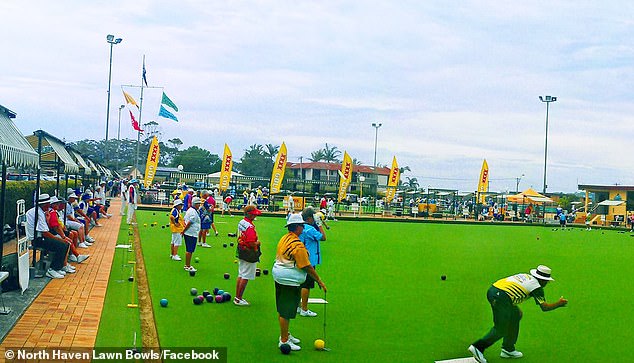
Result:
{"points": [[483, 182], [129, 99], [152, 162], [345, 176], [225, 171], [278, 170], [392, 181]]}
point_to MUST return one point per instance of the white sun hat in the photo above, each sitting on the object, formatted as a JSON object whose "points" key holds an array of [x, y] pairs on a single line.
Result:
{"points": [[542, 272], [295, 218]]}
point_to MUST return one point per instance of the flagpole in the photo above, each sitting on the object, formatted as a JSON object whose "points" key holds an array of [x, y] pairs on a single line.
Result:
{"points": [[138, 136]]}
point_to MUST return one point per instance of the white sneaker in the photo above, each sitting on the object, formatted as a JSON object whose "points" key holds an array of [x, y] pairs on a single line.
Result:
{"points": [[240, 302], [108, 215], [514, 354], [72, 258], [176, 258], [191, 268], [308, 313], [61, 272], [198, 243], [90, 239], [477, 355], [293, 339], [68, 269], [291, 344], [87, 243], [205, 245], [216, 233], [82, 245], [53, 274], [82, 258]]}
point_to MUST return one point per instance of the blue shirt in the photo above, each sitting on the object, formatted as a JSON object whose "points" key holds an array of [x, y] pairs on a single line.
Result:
{"points": [[311, 237], [186, 201]]}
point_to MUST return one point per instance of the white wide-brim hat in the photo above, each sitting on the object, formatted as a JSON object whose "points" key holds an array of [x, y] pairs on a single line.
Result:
{"points": [[295, 218], [542, 272], [177, 202]]}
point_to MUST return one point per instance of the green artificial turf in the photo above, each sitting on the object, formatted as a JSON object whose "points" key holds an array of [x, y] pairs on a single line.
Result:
{"points": [[119, 322], [387, 301]]}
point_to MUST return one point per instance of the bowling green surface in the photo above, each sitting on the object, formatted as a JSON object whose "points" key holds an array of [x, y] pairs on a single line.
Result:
{"points": [[386, 299]]}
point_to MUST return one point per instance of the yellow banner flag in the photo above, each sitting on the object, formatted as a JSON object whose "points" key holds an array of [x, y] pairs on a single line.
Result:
{"points": [[152, 162], [278, 170], [345, 176], [392, 181], [483, 183], [225, 171]]}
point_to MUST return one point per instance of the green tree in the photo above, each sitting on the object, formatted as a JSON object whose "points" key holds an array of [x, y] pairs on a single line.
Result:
{"points": [[412, 183], [256, 162], [331, 154], [195, 159], [316, 156], [271, 151]]}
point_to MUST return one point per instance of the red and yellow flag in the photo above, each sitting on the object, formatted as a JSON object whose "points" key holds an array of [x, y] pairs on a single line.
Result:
{"points": [[345, 176], [152, 162], [278, 170], [225, 171], [392, 181], [483, 182]]}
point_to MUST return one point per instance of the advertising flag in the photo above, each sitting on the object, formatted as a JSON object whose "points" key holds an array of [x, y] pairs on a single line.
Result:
{"points": [[278, 170], [152, 162], [225, 171], [483, 182], [392, 181], [345, 176]]}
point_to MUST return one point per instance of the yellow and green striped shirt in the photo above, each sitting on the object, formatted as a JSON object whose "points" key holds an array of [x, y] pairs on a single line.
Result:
{"points": [[520, 287]]}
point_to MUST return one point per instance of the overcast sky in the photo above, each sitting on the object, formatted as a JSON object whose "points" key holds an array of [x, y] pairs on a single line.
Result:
{"points": [[452, 83]]}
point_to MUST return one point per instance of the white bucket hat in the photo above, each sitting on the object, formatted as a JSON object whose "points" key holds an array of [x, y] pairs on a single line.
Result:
{"points": [[177, 202], [295, 218], [43, 199], [542, 272], [196, 200]]}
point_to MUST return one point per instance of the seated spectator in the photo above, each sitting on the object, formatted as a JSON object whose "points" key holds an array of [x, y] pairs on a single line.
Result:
{"points": [[87, 211], [100, 200], [75, 224], [57, 228], [41, 237]]}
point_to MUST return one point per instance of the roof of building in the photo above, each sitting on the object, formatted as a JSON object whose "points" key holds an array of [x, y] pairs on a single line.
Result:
{"points": [[321, 165], [605, 187]]}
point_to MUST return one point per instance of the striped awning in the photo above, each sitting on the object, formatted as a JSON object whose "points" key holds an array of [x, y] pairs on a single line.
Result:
{"points": [[94, 167], [59, 150], [81, 161], [15, 151]]}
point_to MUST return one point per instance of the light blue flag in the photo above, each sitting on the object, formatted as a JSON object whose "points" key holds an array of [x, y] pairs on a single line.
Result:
{"points": [[165, 113]]}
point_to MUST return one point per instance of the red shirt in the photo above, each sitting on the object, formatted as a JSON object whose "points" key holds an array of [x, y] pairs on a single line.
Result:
{"points": [[52, 219]]}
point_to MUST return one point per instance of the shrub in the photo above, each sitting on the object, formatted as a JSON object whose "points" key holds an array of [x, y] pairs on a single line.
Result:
{"points": [[17, 190]]}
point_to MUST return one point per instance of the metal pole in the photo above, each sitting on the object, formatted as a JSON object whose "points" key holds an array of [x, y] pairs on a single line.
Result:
{"points": [[119, 137], [108, 109], [138, 136], [546, 147], [376, 177]]}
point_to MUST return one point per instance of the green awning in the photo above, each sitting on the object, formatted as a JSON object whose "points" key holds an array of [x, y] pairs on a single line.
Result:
{"points": [[15, 151]]}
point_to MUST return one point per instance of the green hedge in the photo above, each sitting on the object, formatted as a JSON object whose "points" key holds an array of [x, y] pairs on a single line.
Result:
{"points": [[17, 190]]}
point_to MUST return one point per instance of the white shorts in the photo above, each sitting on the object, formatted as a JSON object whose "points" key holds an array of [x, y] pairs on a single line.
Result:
{"points": [[177, 239], [75, 226], [246, 270], [225, 206]]}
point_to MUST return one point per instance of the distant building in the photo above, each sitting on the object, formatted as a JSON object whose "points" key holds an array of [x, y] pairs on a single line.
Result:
{"points": [[613, 202], [131, 171], [319, 173]]}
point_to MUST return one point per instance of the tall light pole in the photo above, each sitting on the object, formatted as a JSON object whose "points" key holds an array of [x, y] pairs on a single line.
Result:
{"points": [[376, 177], [112, 41], [548, 100], [119, 137], [517, 183]]}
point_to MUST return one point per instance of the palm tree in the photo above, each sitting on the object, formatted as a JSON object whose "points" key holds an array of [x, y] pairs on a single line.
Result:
{"points": [[412, 183], [271, 151], [331, 154], [356, 161], [316, 155], [404, 169]]}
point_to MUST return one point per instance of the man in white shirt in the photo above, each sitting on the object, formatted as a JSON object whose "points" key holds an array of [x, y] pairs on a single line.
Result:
{"points": [[38, 233], [132, 197], [124, 200]]}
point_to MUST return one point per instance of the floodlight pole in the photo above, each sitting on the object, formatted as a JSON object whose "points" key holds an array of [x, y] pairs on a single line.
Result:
{"points": [[548, 100], [112, 41], [376, 176], [517, 183]]}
